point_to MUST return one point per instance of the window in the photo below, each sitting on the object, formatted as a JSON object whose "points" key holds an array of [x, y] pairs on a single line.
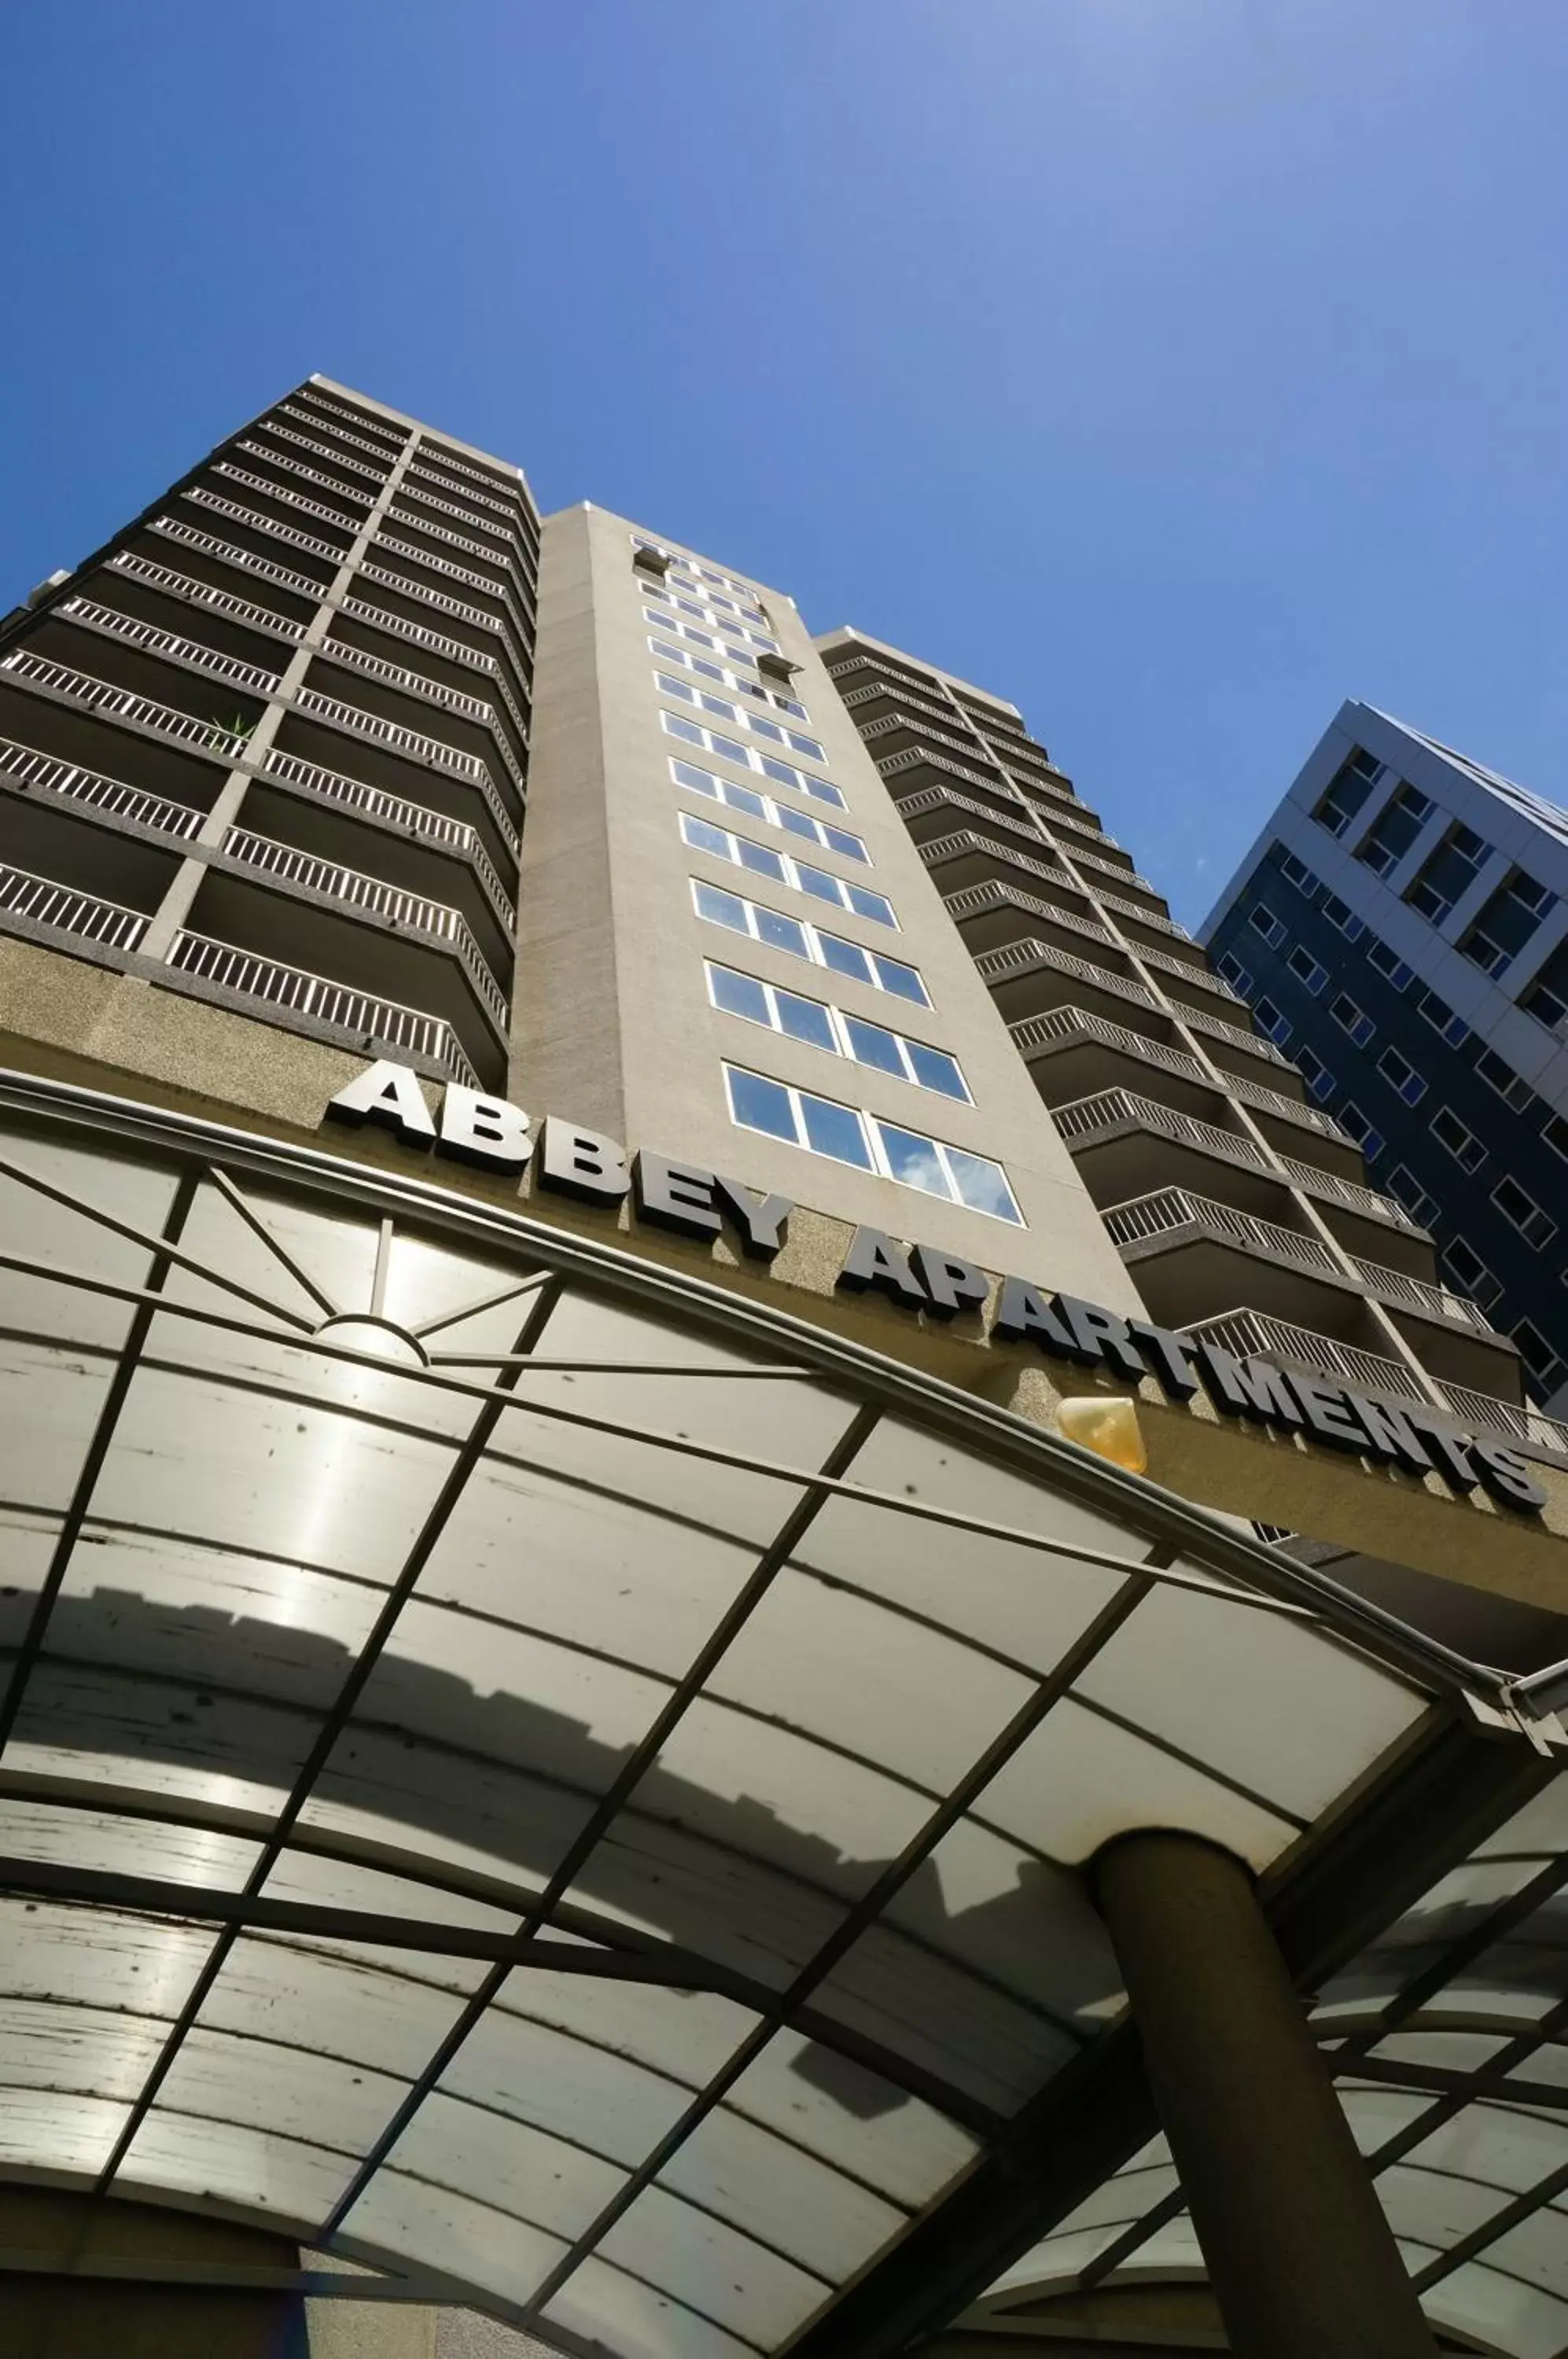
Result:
{"points": [[1509, 1086], [1269, 1020], [1546, 997], [1544, 1364], [1262, 920], [1352, 1019], [701, 835], [1442, 1018], [736, 636], [1230, 970], [1320, 1081], [1339, 913], [1468, 1270], [822, 1027], [1555, 1133], [1463, 1145], [762, 807], [1394, 830], [1392, 968], [1305, 968], [699, 638], [1295, 872], [1401, 1076], [694, 567], [801, 941], [1347, 791], [1446, 874], [729, 749], [1535, 1226], [1367, 1138], [1404, 1184], [846, 1134], [667, 685], [726, 678], [1507, 923]]}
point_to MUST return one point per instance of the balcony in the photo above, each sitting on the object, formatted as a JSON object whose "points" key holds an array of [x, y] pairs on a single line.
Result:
{"points": [[35, 773], [1076, 1032], [138, 573], [412, 745], [977, 857], [260, 487], [349, 503], [152, 640], [84, 915], [513, 609], [375, 475], [932, 804], [252, 523], [412, 489], [375, 1026], [227, 554], [122, 704], [916, 758], [1234, 1041], [395, 907], [416, 473], [413, 819], [316, 412], [405, 683], [993, 914], [1013, 964], [1251, 1334], [916, 724]]}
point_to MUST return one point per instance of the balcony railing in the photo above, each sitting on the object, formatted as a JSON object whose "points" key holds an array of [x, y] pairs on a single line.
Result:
{"points": [[257, 523], [291, 499], [221, 602], [400, 581], [407, 682], [415, 747], [1132, 908], [1289, 1109], [892, 721], [1525, 1424], [1254, 1334], [480, 499], [459, 466], [916, 757], [974, 898], [930, 798], [456, 651], [123, 704], [411, 489], [1170, 1212], [1123, 875], [454, 573], [159, 642], [967, 839], [1110, 1110], [384, 1023], [319, 414], [321, 449], [1320, 1182], [455, 835], [242, 560], [23, 895], [21, 767], [1193, 970], [363, 501], [993, 964], [417, 910], [415, 523], [1078, 1024], [1214, 1027]]}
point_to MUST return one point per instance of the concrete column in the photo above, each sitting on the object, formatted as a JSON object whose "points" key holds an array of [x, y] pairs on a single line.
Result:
{"points": [[1300, 2255]]}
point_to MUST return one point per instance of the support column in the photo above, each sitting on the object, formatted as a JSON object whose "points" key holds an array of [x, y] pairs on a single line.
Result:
{"points": [[1299, 2255]]}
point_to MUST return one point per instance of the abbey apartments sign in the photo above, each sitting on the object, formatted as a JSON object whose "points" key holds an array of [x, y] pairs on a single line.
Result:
{"points": [[671, 1193]]}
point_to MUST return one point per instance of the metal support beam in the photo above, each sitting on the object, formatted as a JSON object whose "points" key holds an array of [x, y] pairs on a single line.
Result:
{"points": [[1302, 2259]]}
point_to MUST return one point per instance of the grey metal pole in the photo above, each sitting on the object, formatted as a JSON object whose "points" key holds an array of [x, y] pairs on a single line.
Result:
{"points": [[1300, 2257]]}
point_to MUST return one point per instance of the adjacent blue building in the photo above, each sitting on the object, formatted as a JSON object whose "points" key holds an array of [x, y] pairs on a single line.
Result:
{"points": [[1400, 926]]}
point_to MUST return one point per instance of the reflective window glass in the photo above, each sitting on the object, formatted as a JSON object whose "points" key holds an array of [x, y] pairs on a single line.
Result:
{"points": [[835, 1130]]}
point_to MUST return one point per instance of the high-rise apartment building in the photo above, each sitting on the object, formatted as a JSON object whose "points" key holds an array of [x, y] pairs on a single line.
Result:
{"points": [[602, 1206], [1401, 926]]}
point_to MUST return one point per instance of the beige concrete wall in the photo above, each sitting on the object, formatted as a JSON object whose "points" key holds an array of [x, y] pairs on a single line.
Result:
{"points": [[612, 1016]]}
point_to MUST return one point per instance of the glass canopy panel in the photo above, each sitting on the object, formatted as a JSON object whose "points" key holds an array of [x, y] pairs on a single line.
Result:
{"points": [[740, 2284], [1081, 1779], [565, 2087], [45, 2129], [67, 1238], [607, 2306], [27, 1544], [1269, 1702], [87, 2050], [274, 1477], [1017, 1600], [547, 2183], [303, 2093], [1502, 2312], [108, 1844], [180, 2154], [1537, 2250], [1435, 2206], [686, 2035], [52, 1402], [312, 1998], [315, 1879], [146, 1964], [837, 2108], [772, 2192], [410, 2220]]}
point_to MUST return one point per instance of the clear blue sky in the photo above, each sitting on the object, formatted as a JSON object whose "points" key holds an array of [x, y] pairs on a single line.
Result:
{"points": [[1175, 367]]}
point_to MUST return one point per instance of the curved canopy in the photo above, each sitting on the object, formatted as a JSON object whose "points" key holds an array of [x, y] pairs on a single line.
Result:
{"points": [[567, 1787]]}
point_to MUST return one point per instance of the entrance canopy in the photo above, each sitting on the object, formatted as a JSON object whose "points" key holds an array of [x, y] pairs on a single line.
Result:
{"points": [[570, 1790]]}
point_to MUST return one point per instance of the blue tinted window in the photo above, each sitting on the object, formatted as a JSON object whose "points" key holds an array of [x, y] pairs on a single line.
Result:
{"points": [[743, 798], [823, 791], [774, 768], [914, 1161], [782, 933], [805, 1019], [702, 782], [824, 887], [869, 904], [716, 704], [982, 1186], [807, 745], [872, 1045], [678, 728], [703, 837], [846, 958], [731, 752], [761, 1105], [841, 840], [675, 687], [723, 908], [797, 823], [935, 1070], [895, 977], [738, 995], [758, 857], [835, 1130], [767, 729]]}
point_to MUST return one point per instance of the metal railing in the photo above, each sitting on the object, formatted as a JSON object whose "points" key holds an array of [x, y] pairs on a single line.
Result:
{"points": [[1217, 1028], [1254, 1333], [1133, 909], [938, 848], [417, 910], [412, 488], [364, 501], [223, 602], [465, 613], [480, 499], [972, 898], [321, 449], [419, 634], [1168, 1212], [417, 555], [937, 798], [1320, 1182], [159, 642], [408, 683], [1524, 1423], [992, 965], [323, 413], [920, 757], [257, 523], [1419, 1294], [291, 499], [125, 704], [243, 560], [1110, 868], [21, 767], [918, 722], [459, 466], [384, 1022], [1078, 1024], [23, 895], [416, 747], [1275, 1101], [1110, 1110], [443, 532], [1193, 970], [456, 834]]}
